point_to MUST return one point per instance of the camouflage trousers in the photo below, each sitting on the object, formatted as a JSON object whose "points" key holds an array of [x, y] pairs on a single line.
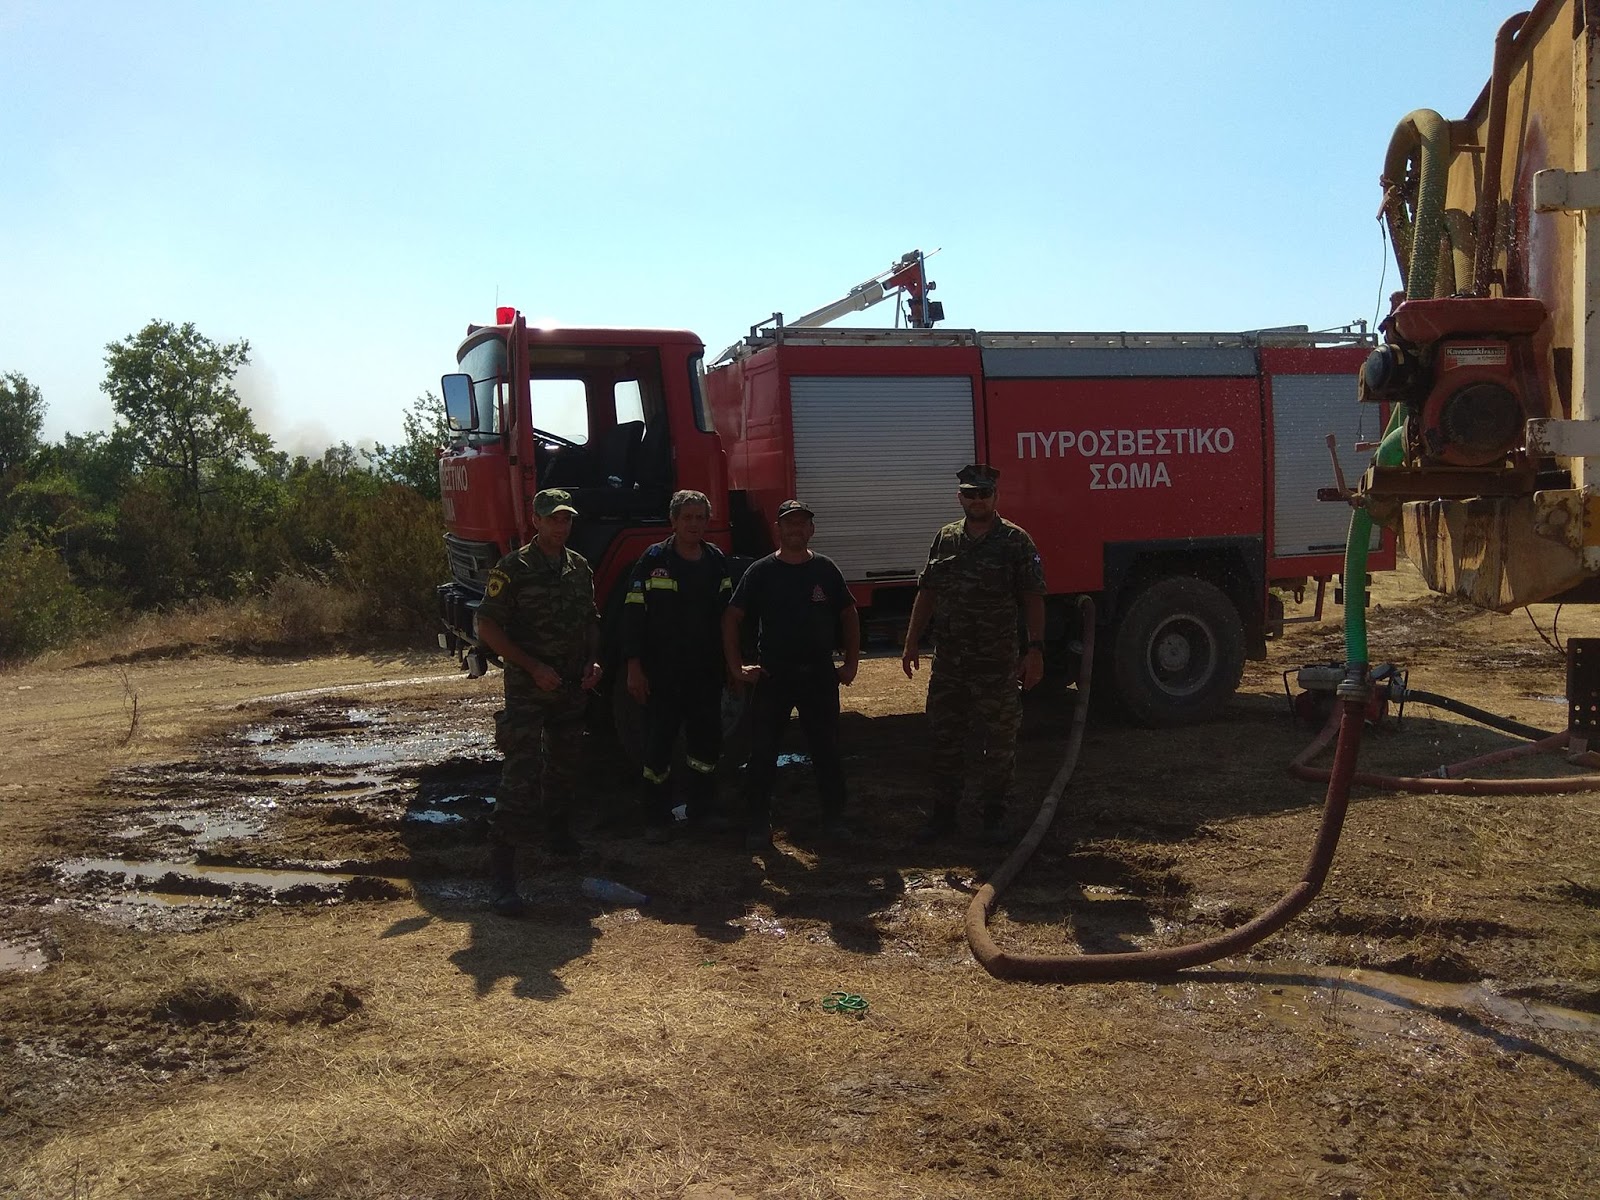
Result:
{"points": [[974, 718], [542, 739]]}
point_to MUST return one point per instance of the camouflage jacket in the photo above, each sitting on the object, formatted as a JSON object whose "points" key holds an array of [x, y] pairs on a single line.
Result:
{"points": [[546, 607], [978, 586]]}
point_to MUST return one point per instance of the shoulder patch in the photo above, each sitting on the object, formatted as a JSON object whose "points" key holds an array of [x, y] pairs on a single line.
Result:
{"points": [[497, 583]]}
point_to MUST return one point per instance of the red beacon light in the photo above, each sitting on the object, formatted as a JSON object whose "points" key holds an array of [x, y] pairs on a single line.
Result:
{"points": [[504, 315]]}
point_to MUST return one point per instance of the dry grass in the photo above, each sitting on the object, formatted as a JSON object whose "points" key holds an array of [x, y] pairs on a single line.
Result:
{"points": [[423, 1048], [296, 614], [656, 1061]]}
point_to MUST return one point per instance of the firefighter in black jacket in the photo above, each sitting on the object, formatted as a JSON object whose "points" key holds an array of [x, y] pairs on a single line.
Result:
{"points": [[671, 642]]}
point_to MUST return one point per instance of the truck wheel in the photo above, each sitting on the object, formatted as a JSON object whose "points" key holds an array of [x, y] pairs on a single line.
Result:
{"points": [[1178, 653]]}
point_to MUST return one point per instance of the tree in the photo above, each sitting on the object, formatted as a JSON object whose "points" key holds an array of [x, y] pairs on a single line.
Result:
{"points": [[415, 461], [173, 387], [21, 418]]}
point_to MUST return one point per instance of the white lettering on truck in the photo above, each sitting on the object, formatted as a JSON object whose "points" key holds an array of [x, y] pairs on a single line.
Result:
{"points": [[452, 478], [1118, 444]]}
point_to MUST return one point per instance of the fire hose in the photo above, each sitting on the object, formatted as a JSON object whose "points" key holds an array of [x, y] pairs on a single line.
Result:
{"points": [[1449, 779], [1346, 722], [1139, 964], [1423, 138]]}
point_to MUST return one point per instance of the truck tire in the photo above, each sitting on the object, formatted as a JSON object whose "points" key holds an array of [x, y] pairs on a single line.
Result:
{"points": [[1178, 653]]}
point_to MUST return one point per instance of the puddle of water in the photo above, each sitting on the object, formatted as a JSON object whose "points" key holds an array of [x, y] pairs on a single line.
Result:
{"points": [[278, 697], [1425, 993], [201, 826], [450, 810], [1378, 1002], [756, 923], [367, 751], [219, 878], [19, 957]]}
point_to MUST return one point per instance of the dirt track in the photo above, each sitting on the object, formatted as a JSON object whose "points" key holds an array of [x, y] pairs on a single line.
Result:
{"points": [[243, 951]]}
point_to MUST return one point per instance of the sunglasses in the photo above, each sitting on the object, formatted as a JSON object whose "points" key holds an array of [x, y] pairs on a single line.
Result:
{"points": [[978, 493]]}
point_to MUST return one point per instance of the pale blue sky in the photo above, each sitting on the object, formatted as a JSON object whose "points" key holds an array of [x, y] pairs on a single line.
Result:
{"points": [[347, 185]]}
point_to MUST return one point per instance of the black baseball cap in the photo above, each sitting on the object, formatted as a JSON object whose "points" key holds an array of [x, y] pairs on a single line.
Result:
{"points": [[794, 506]]}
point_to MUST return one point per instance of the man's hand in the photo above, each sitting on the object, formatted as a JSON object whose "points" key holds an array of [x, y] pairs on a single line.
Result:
{"points": [[846, 672], [591, 677], [745, 674], [638, 684], [910, 659], [545, 678], [1031, 669]]}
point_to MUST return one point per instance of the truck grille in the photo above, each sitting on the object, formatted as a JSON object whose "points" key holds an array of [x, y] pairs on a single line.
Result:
{"points": [[470, 562]]}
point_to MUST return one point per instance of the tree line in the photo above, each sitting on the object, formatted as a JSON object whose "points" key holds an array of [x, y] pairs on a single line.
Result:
{"points": [[185, 503]]}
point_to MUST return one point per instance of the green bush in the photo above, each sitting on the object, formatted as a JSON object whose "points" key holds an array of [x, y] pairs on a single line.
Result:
{"points": [[40, 606], [393, 559]]}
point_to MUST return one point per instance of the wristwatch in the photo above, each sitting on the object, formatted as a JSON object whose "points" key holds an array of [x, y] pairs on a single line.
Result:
{"points": [[1036, 644]]}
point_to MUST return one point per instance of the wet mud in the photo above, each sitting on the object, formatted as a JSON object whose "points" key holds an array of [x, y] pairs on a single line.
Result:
{"points": [[324, 800]]}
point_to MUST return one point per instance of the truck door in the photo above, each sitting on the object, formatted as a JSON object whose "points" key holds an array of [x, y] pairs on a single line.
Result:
{"points": [[600, 430]]}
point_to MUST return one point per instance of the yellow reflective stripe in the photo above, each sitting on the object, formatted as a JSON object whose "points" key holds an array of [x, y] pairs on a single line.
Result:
{"points": [[705, 768], [670, 585], [727, 585], [657, 777], [634, 598]]}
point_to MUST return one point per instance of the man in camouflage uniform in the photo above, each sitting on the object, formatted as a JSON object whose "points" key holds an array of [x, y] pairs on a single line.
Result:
{"points": [[538, 615], [983, 573]]}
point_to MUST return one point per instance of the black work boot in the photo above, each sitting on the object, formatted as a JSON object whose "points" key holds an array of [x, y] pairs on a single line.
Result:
{"points": [[505, 898], [758, 834], [655, 810]]}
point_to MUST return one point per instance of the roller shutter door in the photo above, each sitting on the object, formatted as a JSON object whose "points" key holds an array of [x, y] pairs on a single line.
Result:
{"points": [[1305, 409], [877, 458]]}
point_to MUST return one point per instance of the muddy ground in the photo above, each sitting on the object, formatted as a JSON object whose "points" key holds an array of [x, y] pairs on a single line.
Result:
{"points": [[244, 951]]}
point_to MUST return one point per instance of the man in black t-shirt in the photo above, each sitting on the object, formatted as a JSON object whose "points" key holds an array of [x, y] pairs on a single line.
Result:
{"points": [[803, 605]]}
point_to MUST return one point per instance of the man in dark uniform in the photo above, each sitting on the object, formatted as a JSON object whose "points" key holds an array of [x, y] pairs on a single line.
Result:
{"points": [[671, 630], [538, 615], [983, 573], [803, 606]]}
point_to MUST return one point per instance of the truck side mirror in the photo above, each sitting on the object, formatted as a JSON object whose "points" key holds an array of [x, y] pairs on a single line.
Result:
{"points": [[460, 405]]}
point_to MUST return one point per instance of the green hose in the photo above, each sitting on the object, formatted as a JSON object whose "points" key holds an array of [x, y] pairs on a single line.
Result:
{"points": [[1425, 134], [1391, 453], [1429, 133]]}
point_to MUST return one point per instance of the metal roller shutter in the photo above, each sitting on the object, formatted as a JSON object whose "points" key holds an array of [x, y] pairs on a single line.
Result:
{"points": [[1305, 409], [877, 458]]}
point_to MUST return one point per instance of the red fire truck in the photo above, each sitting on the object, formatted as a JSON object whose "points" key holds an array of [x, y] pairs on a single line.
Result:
{"points": [[1172, 476]]}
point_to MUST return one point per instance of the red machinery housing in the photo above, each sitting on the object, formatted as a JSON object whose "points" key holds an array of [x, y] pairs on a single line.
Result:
{"points": [[1472, 370]]}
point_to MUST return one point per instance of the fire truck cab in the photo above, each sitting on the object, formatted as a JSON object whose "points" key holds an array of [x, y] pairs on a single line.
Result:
{"points": [[616, 417]]}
